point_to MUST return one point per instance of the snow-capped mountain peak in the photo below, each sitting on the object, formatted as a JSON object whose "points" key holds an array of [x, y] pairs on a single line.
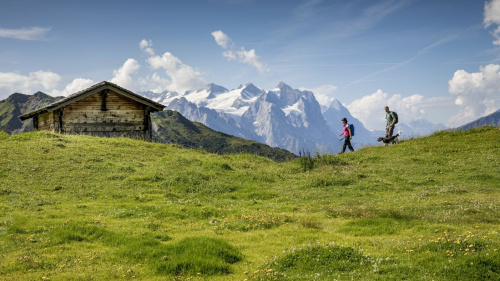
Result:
{"points": [[336, 104], [214, 90], [287, 95], [250, 90], [283, 86]]}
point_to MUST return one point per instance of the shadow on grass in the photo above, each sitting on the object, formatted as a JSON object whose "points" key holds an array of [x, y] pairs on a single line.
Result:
{"points": [[190, 256]]}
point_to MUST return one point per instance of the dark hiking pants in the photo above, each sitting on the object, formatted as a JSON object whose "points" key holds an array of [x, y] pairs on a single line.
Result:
{"points": [[389, 131], [347, 142]]}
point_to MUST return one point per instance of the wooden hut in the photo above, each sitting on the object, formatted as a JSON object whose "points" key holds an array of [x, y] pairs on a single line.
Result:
{"points": [[104, 109]]}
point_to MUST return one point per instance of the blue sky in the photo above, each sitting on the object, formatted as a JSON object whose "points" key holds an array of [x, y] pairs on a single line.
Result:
{"points": [[424, 58]]}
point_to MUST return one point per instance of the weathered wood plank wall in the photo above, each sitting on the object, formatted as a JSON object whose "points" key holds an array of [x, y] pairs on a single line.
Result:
{"points": [[120, 115], [46, 121]]}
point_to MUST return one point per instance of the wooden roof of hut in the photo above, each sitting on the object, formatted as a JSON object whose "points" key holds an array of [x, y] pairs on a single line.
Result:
{"points": [[90, 91]]}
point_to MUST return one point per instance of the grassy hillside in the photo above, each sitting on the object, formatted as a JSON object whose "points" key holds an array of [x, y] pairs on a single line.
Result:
{"points": [[88, 208], [172, 127]]}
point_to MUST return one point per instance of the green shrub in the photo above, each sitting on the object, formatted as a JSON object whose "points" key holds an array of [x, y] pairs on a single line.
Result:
{"points": [[306, 161]]}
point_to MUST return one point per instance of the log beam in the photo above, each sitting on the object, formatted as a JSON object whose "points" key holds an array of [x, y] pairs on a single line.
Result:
{"points": [[35, 123], [104, 96]]}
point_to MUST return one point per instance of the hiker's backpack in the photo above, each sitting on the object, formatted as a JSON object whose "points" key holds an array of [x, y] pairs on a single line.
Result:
{"points": [[395, 115], [352, 129]]}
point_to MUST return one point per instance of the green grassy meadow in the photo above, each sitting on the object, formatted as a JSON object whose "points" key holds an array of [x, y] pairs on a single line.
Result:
{"points": [[90, 208]]}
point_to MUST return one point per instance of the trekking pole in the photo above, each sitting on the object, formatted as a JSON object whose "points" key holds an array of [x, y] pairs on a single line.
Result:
{"points": [[342, 139]]}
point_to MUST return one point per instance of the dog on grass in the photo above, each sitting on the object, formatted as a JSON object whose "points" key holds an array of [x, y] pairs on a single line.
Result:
{"points": [[390, 139]]}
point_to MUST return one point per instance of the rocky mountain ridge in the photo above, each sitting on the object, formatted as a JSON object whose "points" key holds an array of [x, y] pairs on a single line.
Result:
{"points": [[492, 119], [16, 105]]}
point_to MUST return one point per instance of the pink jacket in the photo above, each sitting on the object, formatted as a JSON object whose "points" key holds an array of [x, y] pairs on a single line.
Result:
{"points": [[346, 130]]}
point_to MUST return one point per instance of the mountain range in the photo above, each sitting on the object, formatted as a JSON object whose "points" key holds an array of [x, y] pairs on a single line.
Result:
{"points": [[281, 117]]}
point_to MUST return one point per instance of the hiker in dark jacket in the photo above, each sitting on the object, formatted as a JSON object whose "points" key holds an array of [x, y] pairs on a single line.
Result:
{"points": [[391, 122], [347, 135]]}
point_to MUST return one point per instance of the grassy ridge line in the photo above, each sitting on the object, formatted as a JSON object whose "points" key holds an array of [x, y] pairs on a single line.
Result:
{"points": [[71, 205], [172, 127]]}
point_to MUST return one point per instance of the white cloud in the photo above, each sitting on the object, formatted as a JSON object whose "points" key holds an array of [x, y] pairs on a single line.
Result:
{"points": [[145, 43], [248, 57], [75, 86], [49, 80], [33, 33], [221, 38], [146, 47], [45, 81], [370, 109], [182, 76], [239, 54], [155, 83], [323, 93], [477, 94], [492, 17], [122, 76], [491, 12], [35, 81]]}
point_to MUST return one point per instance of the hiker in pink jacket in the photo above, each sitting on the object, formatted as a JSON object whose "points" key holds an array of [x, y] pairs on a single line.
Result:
{"points": [[347, 135]]}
